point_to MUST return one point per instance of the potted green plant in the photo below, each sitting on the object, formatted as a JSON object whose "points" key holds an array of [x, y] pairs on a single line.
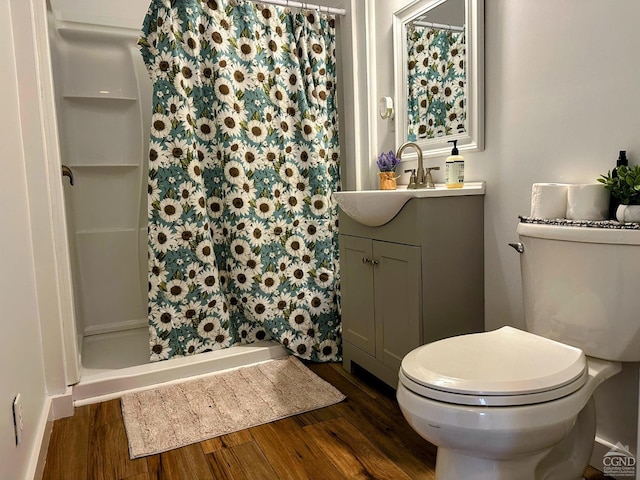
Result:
{"points": [[625, 188]]}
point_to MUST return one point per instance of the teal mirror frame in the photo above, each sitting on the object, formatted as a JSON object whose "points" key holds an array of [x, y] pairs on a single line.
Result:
{"points": [[473, 138]]}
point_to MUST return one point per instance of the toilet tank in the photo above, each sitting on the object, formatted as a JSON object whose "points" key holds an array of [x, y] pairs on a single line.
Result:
{"points": [[581, 286]]}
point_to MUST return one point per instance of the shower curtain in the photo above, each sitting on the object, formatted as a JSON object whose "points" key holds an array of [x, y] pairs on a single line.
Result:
{"points": [[437, 82], [243, 159]]}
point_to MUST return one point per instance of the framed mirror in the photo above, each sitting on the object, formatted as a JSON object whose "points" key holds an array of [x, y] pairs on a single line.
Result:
{"points": [[439, 75]]}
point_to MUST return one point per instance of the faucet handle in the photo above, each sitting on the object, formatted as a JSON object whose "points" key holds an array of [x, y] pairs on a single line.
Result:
{"points": [[428, 180], [412, 178]]}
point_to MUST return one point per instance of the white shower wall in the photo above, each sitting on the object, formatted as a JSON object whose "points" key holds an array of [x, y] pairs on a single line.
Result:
{"points": [[103, 105]]}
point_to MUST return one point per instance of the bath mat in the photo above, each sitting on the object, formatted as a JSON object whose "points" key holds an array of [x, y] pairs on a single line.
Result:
{"points": [[176, 415]]}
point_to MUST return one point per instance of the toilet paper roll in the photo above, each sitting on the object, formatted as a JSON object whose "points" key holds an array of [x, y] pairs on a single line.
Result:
{"points": [[587, 202], [549, 200]]}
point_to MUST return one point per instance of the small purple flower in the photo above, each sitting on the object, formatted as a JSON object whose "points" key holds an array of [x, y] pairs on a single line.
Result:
{"points": [[387, 162]]}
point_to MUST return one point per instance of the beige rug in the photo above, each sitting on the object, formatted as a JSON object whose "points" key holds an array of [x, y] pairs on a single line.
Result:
{"points": [[173, 416]]}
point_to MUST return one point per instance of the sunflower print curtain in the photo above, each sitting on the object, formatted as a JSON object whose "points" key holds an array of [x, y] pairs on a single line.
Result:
{"points": [[437, 82], [243, 159]]}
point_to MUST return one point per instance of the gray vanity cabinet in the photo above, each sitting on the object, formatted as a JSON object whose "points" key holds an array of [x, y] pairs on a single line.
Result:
{"points": [[381, 308], [356, 287], [414, 280]]}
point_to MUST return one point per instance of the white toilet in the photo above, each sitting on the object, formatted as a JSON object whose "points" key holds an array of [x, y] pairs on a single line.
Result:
{"points": [[514, 405]]}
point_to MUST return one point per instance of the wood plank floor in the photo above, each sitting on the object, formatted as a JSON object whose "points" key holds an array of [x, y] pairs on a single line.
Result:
{"points": [[364, 437]]}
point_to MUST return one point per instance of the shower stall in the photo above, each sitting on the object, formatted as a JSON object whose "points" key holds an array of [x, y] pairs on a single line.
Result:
{"points": [[103, 109]]}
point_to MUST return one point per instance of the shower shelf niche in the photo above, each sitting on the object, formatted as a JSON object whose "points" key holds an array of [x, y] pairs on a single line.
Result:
{"points": [[103, 165], [85, 121], [98, 96]]}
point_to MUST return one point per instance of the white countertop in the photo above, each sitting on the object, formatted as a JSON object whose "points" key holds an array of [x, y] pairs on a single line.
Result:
{"points": [[377, 207]]}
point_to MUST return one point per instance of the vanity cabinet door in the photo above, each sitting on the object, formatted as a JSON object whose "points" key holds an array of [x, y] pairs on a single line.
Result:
{"points": [[356, 293], [397, 299]]}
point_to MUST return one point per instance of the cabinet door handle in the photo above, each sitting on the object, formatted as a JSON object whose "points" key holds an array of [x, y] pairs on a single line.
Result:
{"points": [[375, 262], [366, 260]]}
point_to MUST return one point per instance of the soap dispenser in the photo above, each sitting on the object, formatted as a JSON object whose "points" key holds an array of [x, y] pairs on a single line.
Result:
{"points": [[613, 202], [454, 168]]}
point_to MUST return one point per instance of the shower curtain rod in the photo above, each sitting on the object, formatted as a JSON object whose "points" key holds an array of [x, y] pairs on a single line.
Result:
{"points": [[305, 6], [441, 26]]}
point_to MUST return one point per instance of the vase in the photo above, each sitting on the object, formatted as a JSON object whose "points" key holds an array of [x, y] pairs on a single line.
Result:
{"points": [[628, 213], [387, 180]]}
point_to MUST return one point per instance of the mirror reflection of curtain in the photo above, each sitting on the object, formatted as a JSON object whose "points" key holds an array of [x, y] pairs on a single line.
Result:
{"points": [[243, 161], [437, 81]]}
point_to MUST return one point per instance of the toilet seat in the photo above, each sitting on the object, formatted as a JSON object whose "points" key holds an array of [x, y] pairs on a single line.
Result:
{"points": [[504, 367]]}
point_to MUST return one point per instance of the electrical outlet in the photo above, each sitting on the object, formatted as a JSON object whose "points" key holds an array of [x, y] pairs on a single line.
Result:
{"points": [[18, 424]]}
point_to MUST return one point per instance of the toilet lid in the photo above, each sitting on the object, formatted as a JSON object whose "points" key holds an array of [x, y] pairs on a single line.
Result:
{"points": [[502, 367]]}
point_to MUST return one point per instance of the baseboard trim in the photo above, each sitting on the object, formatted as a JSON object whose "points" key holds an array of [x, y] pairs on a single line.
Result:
{"points": [[62, 405], [41, 447], [55, 407]]}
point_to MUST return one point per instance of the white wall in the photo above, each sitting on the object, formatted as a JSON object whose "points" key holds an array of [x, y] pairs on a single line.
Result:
{"points": [[561, 101], [562, 93], [21, 353]]}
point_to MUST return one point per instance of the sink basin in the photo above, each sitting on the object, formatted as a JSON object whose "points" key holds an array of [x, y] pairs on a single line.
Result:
{"points": [[377, 207]]}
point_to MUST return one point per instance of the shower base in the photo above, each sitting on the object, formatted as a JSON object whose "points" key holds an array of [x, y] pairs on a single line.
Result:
{"points": [[118, 362]]}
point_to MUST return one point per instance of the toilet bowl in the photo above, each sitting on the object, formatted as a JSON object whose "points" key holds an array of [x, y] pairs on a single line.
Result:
{"points": [[502, 405], [514, 405]]}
